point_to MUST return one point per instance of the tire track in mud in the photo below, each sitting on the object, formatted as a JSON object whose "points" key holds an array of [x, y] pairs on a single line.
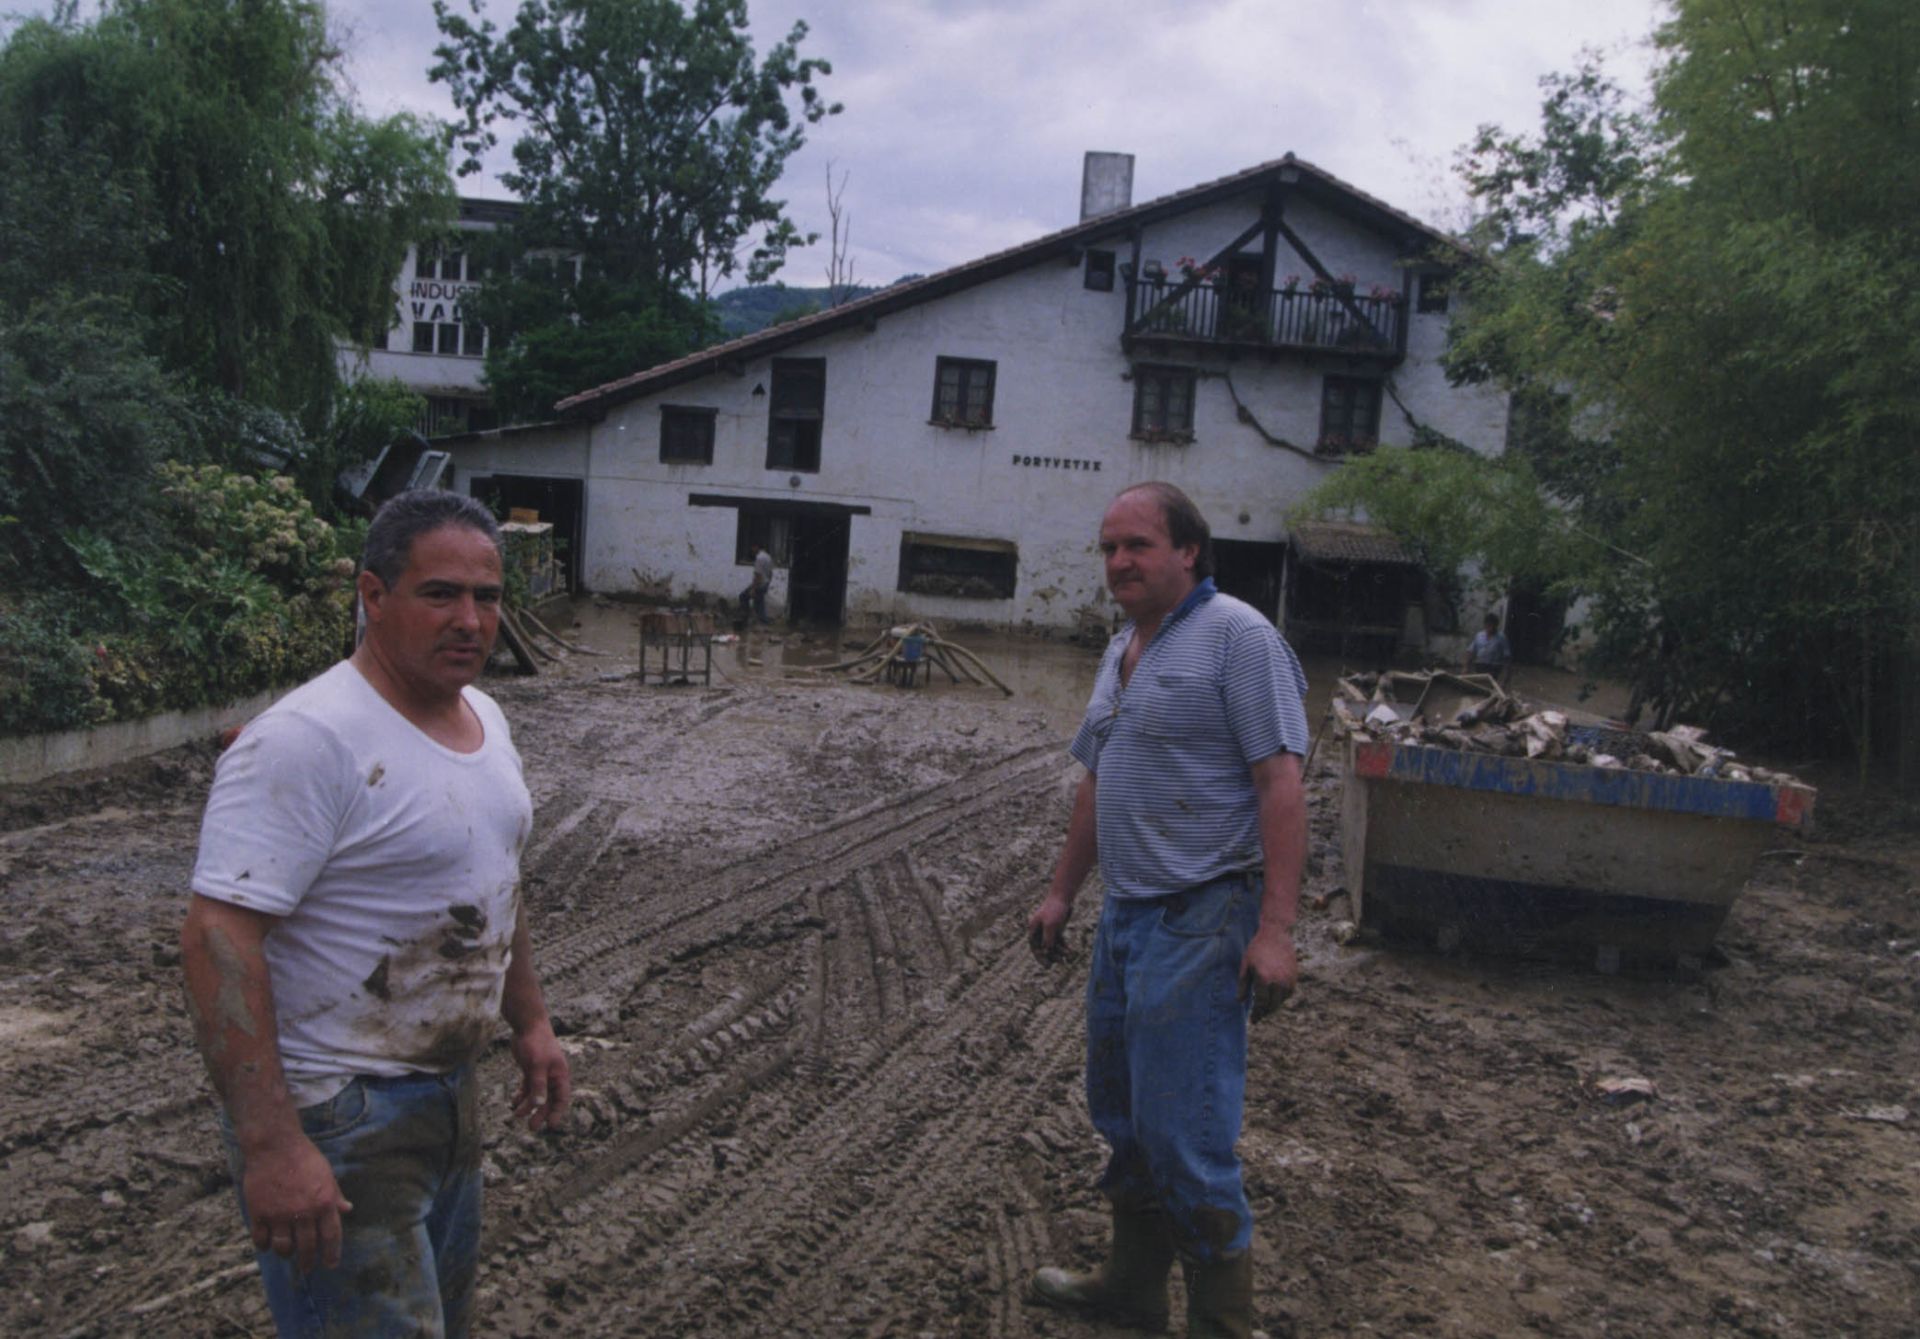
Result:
{"points": [[899, 1106], [739, 892]]}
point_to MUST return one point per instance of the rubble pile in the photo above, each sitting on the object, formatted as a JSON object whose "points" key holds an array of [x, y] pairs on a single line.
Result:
{"points": [[1472, 712]]}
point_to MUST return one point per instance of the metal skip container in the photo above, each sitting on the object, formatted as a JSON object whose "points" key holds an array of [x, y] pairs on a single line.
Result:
{"points": [[1530, 856]]}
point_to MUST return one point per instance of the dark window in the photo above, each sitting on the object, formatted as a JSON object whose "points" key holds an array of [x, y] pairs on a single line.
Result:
{"points": [[423, 336], [445, 416], [453, 266], [967, 569], [1100, 271], [1349, 414], [963, 392], [794, 416], [1163, 402], [1433, 293], [449, 338], [427, 264], [686, 435], [473, 339], [759, 530]]}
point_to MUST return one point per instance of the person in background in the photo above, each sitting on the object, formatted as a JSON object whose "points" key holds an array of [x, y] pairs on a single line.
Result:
{"points": [[756, 592], [1489, 652]]}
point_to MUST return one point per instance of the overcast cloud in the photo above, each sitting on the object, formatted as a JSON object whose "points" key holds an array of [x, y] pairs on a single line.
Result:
{"points": [[966, 120]]}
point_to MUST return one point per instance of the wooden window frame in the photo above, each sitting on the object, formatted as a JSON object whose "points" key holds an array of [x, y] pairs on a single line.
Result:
{"points": [[967, 372], [1101, 266], [1352, 426], [1149, 375], [957, 568], [755, 528], [697, 420], [796, 425]]}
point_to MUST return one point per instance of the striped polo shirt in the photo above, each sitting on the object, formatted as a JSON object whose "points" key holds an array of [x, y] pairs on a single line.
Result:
{"points": [[1215, 691]]}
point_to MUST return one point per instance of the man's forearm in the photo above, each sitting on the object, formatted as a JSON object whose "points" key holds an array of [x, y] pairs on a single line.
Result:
{"points": [[522, 1003], [1081, 850], [1283, 839], [230, 998]]}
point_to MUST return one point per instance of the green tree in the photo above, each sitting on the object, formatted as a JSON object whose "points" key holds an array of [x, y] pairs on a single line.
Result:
{"points": [[1716, 292], [268, 217], [651, 141]]}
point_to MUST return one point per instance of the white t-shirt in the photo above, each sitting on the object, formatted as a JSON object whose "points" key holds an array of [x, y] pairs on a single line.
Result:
{"points": [[393, 863]]}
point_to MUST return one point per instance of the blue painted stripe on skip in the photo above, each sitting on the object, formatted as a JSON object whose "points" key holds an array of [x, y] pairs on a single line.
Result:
{"points": [[1707, 796]]}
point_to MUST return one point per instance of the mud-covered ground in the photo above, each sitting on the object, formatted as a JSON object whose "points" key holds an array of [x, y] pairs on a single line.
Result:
{"points": [[824, 1090]]}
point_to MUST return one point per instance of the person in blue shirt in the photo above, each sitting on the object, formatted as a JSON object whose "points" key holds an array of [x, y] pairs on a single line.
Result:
{"points": [[1489, 652], [1193, 808]]}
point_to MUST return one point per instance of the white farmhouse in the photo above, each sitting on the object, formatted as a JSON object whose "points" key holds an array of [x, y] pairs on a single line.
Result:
{"points": [[944, 448]]}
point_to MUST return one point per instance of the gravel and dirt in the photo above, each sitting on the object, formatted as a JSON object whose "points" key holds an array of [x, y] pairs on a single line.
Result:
{"points": [[824, 1090]]}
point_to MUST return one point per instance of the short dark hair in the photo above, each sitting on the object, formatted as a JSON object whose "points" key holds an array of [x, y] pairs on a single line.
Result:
{"points": [[1185, 524], [1492, 620], [406, 516]]}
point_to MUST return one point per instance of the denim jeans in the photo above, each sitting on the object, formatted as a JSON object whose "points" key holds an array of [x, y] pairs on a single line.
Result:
{"points": [[1167, 1057], [406, 1152]]}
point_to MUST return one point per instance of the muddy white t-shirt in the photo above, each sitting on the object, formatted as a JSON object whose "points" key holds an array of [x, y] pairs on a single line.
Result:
{"points": [[393, 865]]}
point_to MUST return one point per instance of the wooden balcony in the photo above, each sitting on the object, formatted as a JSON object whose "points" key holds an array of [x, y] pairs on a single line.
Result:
{"points": [[1165, 313]]}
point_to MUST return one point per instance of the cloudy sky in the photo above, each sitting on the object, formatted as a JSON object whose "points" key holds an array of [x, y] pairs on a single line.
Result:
{"points": [[966, 120]]}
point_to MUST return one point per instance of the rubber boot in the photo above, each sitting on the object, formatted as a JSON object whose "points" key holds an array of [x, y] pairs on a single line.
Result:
{"points": [[1131, 1287], [1219, 1297]]}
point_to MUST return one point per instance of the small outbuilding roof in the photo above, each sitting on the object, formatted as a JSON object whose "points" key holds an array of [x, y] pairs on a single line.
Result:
{"points": [[1349, 542]]}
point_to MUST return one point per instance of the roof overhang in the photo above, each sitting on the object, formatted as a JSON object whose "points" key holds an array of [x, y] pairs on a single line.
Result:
{"points": [[1349, 542]]}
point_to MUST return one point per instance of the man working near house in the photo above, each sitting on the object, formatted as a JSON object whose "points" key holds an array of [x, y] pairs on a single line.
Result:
{"points": [[1489, 652], [355, 936], [756, 592], [1193, 808]]}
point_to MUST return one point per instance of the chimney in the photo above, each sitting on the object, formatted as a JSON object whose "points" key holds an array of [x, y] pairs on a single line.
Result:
{"points": [[1106, 184]]}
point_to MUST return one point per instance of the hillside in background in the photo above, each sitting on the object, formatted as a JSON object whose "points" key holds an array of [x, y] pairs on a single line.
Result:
{"points": [[757, 306]]}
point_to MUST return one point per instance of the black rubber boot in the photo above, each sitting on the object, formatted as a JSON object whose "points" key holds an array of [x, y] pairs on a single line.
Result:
{"points": [[1219, 1297], [1131, 1287]]}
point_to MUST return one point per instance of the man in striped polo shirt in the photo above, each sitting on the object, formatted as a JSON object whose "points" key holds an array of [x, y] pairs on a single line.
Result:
{"points": [[1193, 808]]}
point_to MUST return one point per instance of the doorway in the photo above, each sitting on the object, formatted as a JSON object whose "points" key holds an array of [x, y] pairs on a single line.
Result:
{"points": [[1251, 572], [817, 576], [559, 502]]}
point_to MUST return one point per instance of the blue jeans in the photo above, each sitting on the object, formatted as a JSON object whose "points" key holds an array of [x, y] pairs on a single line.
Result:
{"points": [[406, 1152], [1167, 1057]]}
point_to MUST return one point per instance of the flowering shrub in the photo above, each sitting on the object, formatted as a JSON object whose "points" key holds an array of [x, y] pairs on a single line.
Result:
{"points": [[241, 588]]}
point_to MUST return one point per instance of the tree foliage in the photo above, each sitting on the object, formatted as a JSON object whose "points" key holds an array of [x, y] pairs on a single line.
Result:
{"points": [[194, 214], [1716, 295], [650, 143], [261, 217]]}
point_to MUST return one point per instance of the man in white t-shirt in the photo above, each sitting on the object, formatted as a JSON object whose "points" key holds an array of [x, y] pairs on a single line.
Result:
{"points": [[355, 937]]}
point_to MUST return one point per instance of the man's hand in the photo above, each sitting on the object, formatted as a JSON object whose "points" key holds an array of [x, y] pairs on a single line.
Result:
{"points": [[1044, 927], [1269, 971], [546, 1082], [295, 1204]]}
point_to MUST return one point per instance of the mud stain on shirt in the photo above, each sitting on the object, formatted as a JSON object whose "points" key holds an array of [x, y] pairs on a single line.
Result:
{"points": [[373, 777], [441, 992]]}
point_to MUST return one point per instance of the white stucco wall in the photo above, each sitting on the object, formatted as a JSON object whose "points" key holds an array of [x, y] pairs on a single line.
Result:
{"points": [[1063, 395]]}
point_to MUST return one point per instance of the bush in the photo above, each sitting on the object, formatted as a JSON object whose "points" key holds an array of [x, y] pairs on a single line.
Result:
{"points": [[243, 588]]}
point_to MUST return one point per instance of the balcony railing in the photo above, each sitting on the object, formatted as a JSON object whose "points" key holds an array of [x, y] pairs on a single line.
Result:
{"points": [[1216, 313]]}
